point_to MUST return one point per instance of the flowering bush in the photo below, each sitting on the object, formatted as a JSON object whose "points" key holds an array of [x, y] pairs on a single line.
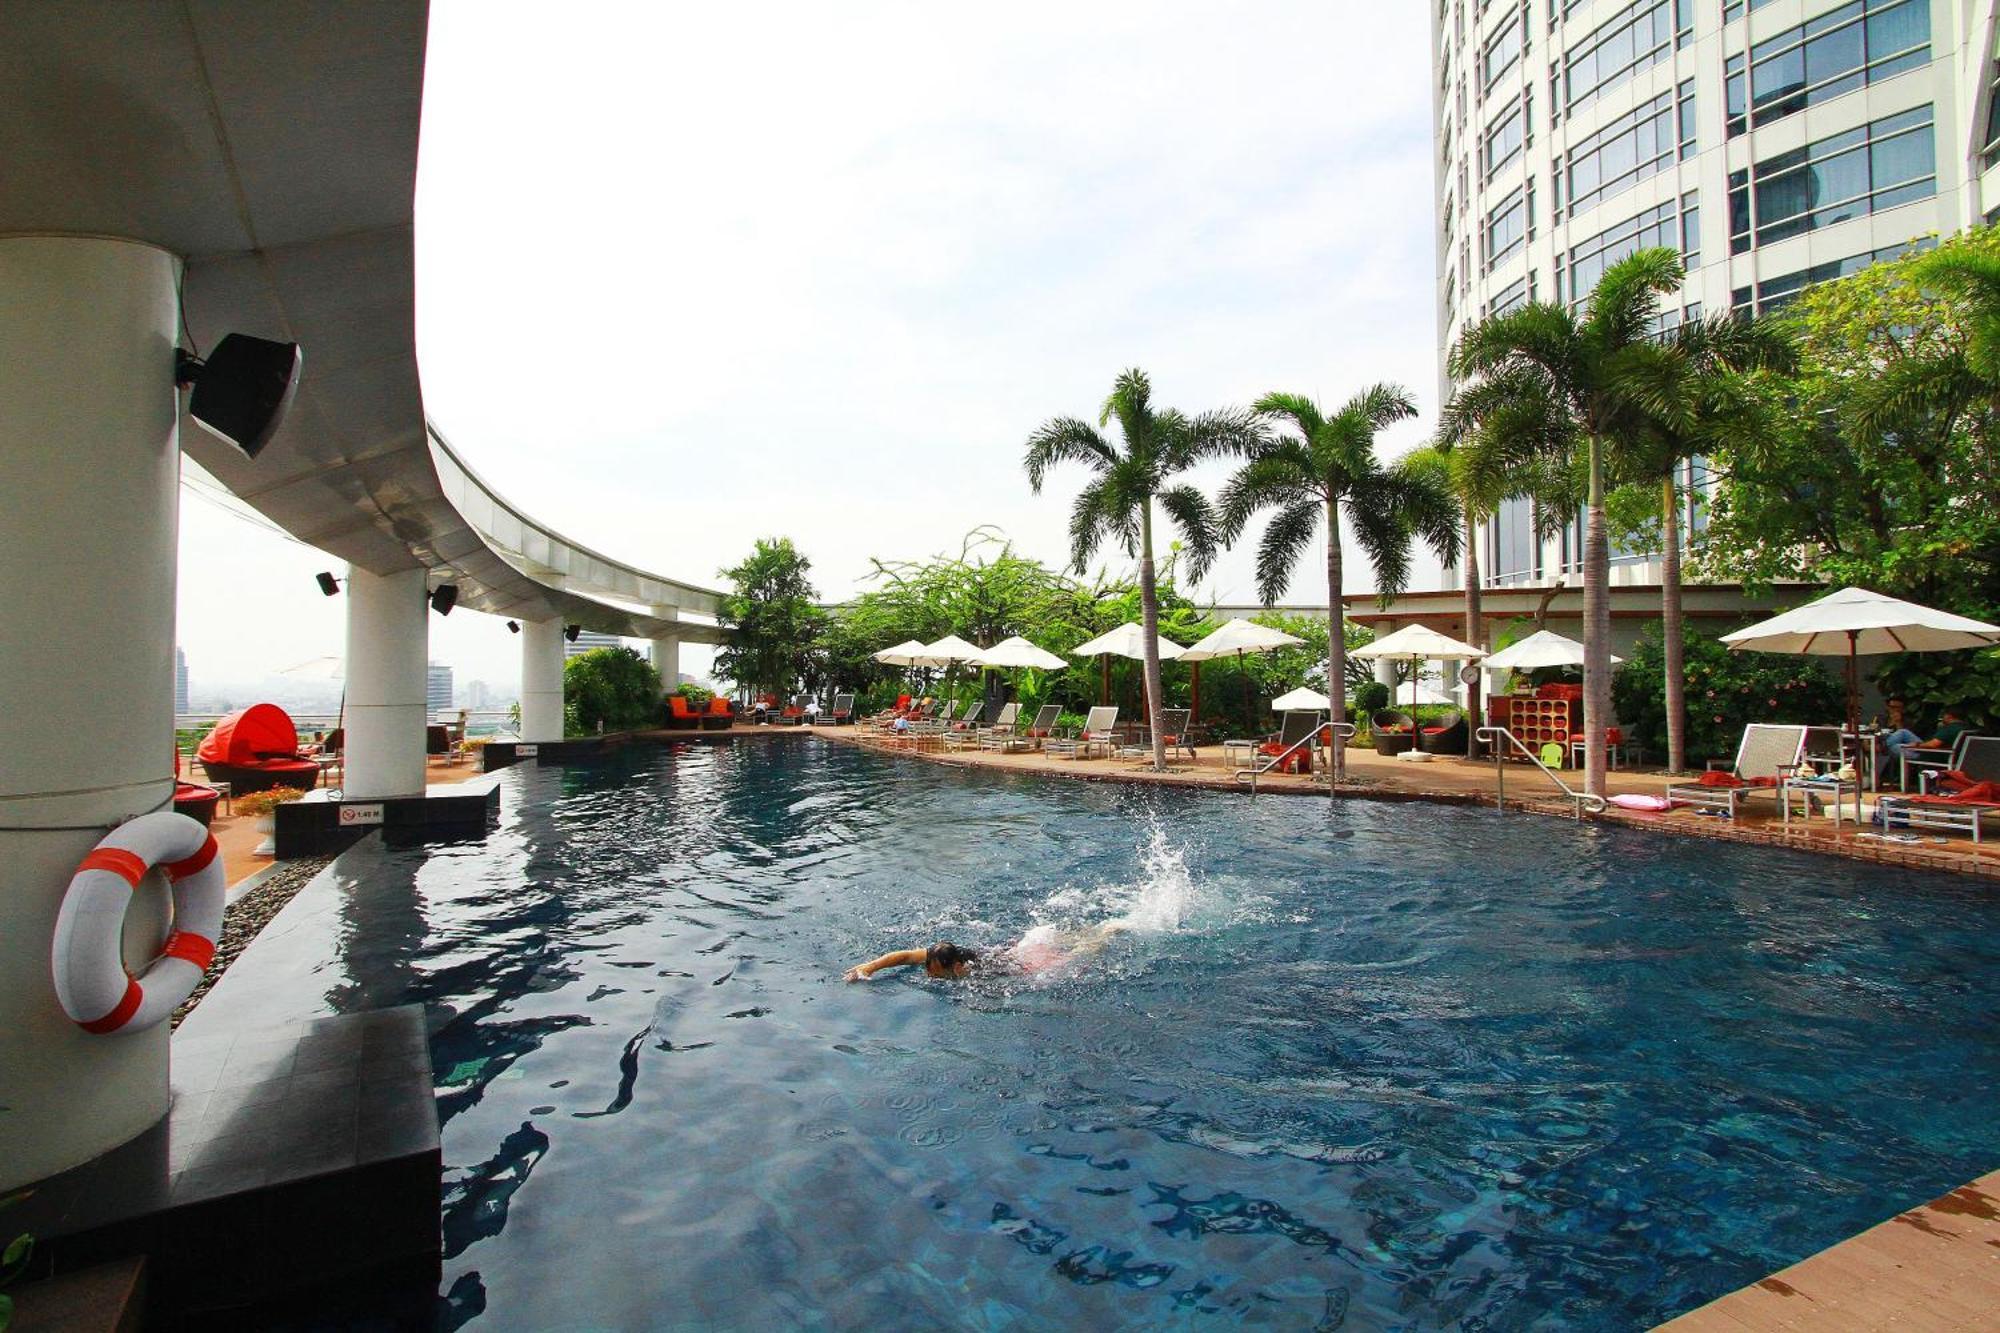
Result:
{"points": [[264, 802], [1725, 691]]}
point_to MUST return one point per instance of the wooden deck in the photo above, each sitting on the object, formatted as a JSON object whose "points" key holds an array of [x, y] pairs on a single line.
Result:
{"points": [[1932, 1268]]}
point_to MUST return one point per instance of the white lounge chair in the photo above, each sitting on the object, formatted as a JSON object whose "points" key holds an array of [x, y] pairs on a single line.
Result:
{"points": [[1038, 730], [1767, 755], [1094, 738]]}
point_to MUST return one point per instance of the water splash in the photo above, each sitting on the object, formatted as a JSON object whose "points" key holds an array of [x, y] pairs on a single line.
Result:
{"points": [[1159, 900]]}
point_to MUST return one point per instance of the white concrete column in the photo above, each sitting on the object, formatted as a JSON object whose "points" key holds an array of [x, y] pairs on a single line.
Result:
{"points": [[388, 656], [667, 661], [89, 508], [541, 680]]}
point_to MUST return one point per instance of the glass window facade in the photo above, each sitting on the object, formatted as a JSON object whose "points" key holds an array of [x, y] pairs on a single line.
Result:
{"points": [[1641, 36], [1642, 143], [1991, 157], [1503, 50], [1675, 223], [1732, 10], [1507, 227], [1851, 47], [1864, 170], [1513, 296], [1512, 553], [1506, 137], [1776, 293]]}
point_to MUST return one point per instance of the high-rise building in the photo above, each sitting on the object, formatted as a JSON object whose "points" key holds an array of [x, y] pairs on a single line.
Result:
{"points": [[1774, 143], [477, 693], [437, 690], [180, 682], [589, 639]]}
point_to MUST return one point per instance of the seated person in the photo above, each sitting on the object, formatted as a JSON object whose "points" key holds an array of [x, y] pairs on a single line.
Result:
{"points": [[1900, 740]]}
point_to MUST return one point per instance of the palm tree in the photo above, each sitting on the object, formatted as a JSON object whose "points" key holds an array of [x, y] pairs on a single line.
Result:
{"points": [[1691, 389], [1326, 465], [1159, 444], [1565, 375]]}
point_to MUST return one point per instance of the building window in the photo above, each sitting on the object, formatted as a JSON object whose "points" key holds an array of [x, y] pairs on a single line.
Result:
{"points": [[1512, 297], [1858, 44], [1503, 50], [1642, 36], [1506, 136], [1507, 227], [1512, 553], [1776, 293], [1675, 224], [1992, 154], [1642, 143], [1732, 10], [1865, 170]]}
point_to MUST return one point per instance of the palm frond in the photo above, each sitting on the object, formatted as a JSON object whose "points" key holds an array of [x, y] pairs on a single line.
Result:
{"points": [[1296, 410], [1625, 304], [1269, 480], [1065, 440], [1285, 539], [1539, 334], [1195, 517]]}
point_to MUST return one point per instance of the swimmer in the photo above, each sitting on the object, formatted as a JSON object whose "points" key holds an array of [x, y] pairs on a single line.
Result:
{"points": [[1037, 951]]}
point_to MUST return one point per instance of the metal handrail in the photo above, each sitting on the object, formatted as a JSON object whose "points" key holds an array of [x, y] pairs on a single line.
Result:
{"points": [[1343, 732], [1494, 734]]}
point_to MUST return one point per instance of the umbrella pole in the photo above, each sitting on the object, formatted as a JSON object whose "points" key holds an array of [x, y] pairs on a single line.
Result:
{"points": [[1249, 705], [1853, 703], [1104, 683], [1194, 703]]}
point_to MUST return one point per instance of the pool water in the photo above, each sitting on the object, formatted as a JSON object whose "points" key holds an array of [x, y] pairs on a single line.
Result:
{"points": [[1383, 1065]]}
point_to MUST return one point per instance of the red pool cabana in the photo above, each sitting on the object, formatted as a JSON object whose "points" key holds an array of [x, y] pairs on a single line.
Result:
{"points": [[255, 749]]}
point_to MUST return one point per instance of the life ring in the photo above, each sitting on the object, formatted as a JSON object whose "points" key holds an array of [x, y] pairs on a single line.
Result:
{"points": [[91, 981]]}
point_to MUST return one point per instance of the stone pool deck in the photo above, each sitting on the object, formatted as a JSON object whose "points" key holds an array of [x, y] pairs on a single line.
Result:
{"points": [[1459, 781], [1934, 1267]]}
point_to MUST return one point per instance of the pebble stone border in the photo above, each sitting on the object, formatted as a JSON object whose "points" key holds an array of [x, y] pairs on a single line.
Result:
{"points": [[251, 907]]}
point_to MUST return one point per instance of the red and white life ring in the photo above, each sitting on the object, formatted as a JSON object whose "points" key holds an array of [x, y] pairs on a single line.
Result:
{"points": [[91, 981]]}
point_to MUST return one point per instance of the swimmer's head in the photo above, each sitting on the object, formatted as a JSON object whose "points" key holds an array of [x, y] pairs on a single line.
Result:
{"points": [[949, 961]]}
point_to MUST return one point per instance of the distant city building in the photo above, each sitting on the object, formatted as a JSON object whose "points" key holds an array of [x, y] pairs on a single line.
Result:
{"points": [[590, 639], [476, 694], [181, 682], [437, 694]]}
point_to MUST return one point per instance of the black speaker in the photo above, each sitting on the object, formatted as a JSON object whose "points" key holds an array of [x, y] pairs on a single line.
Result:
{"points": [[444, 598], [244, 388], [513, 627], [571, 631], [328, 584]]}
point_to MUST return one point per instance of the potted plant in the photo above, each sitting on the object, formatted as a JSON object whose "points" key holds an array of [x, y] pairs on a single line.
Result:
{"points": [[262, 806]]}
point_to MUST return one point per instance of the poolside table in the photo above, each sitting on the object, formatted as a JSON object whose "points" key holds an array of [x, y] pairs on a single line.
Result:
{"points": [[1829, 789], [1239, 754]]}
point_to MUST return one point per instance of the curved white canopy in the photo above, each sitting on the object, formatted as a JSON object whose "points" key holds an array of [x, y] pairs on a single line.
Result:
{"points": [[1301, 699], [1540, 649], [1018, 652], [1855, 621], [1239, 636], [1418, 643], [947, 650], [1128, 640], [904, 654]]}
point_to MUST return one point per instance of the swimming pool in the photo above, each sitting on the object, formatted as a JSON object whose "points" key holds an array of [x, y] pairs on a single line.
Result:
{"points": [[1392, 1065]]}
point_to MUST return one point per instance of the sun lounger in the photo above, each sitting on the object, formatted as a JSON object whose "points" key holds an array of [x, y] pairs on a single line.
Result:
{"points": [[1766, 756], [1094, 738], [1005, 741], [973, 730], [841, 712], [1173, 726], [1929, 763], [1293, 745]]}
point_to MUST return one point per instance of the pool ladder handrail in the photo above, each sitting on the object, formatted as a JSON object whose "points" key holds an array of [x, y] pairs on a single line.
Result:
{"points": [[1343, 732], [1492, 735]]}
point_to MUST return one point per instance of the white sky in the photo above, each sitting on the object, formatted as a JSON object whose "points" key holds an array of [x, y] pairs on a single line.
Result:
{"points": [[692, 275]]}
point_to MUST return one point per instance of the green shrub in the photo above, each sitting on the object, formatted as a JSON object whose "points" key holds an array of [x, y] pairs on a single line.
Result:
{"points": [[612, 686], [1371, 697], [698, 696], [1725, 692]]}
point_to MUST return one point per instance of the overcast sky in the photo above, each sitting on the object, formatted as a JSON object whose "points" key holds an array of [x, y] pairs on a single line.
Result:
{"points": [[692, 275]]}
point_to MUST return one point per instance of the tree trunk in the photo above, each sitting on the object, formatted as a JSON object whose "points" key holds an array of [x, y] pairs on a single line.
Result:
{"points": [[1149, 598], [1596, 625], [1670, 626], [1475, 631], [1336, 640]]}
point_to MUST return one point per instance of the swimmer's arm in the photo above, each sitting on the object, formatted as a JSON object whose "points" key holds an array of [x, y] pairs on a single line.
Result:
{"points": [[900, 958]]}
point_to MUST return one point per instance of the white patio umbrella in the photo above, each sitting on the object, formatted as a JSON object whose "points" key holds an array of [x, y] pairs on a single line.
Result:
{"points": [[1018, 652], [946, 653], [1300, 700], [903, 654], [1855, 621], [1233, 639], [1419, 643], [1539, 650], [1128, 640]]}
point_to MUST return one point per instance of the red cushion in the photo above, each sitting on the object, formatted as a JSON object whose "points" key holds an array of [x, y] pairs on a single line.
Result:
{"points": [[1436, 731], [1717, 778]]}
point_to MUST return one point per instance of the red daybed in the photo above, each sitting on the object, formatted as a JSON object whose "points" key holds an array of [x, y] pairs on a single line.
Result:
{"points": [[256, 749]]}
